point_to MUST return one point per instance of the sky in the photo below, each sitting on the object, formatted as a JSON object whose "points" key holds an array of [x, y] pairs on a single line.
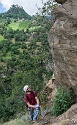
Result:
{"points": [[28, 5], [2, 9]]}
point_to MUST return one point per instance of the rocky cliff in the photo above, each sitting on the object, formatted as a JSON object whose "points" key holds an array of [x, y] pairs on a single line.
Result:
{"points": [[63, 41]]}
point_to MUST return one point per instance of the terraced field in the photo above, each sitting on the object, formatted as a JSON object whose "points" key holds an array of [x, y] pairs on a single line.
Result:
{"points": [[19, 25], [14, 26], [22, 25]]}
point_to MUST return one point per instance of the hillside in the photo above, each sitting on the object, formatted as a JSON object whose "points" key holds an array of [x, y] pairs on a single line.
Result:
{"points": [[16, 12], [23, 60]]}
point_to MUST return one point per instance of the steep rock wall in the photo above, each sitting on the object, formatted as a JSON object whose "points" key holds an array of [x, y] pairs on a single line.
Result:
{"points": [[63, 41]]}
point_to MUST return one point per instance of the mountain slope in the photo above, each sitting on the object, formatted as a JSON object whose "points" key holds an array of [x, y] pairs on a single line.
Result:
{"points": [[17, 12]]}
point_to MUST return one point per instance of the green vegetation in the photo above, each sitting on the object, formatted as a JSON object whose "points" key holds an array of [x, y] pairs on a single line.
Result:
{"points": [[62, 101], [24, 55], [14, 26], [33, 28], [1, 38], [24, 24], [19, 25], [16, 12]]}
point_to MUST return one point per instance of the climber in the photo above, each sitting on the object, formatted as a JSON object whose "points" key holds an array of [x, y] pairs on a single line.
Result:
{"points": [[32, 102]]}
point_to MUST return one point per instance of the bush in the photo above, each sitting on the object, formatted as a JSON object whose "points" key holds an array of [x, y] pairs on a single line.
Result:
{"points": [[62, 101]]}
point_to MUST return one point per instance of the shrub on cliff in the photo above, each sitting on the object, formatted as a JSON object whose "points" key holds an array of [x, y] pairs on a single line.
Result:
{"points": [[62, 101]]}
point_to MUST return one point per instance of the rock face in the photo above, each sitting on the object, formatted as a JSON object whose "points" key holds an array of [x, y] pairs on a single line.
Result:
{"points": [[63, 41], [68, 118]]}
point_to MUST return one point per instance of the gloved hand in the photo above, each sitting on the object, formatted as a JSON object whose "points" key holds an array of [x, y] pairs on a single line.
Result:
{"points": [[37, 106]]}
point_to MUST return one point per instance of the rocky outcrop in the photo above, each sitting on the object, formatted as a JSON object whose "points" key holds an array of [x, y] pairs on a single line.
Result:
{"points": [[68, 118], [63, 41], [60, 1]]}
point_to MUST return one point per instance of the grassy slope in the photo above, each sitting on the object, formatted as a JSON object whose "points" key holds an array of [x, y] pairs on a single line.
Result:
{"points": [[22, 25], [33, 28], [14, 26], [19, 25]]}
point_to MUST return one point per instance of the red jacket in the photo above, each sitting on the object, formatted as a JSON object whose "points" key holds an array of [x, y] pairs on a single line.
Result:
{"points": [[31, 98]]}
